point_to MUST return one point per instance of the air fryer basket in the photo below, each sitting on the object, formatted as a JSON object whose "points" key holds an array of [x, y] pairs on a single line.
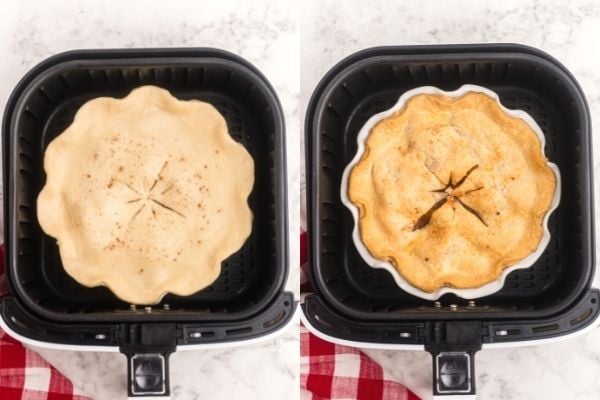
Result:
{"points": [[355, 302], [46, 304]]}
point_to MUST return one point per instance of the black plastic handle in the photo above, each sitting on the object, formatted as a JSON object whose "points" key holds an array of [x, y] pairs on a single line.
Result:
{"points": [[148, 375], [453, 373], [148, 347], [453, 345]]}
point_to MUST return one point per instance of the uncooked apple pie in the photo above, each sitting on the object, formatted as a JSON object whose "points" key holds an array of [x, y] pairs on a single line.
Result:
{"points": [[146, 195]]}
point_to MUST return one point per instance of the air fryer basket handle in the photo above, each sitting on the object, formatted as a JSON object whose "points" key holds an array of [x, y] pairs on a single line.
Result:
{"points": [[148, 375], [453, 375], [148, 347], [453, 345]]}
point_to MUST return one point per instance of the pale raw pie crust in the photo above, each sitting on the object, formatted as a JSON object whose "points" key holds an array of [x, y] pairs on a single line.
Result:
{"points": [[146, 195], [451, 191]]}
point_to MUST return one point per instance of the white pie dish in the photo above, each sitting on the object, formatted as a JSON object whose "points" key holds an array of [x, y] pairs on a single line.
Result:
{"points": [[470, 293]]}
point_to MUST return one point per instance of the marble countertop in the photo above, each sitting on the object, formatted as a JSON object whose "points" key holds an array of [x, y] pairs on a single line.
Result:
{"points": [[266, 35], [570, 31]]}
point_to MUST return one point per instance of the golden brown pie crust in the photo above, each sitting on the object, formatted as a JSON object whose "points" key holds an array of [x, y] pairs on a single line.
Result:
{"points": [[488, 219]]}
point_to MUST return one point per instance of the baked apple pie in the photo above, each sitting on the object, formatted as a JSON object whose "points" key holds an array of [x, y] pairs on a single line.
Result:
{"points": [[452, 191]]}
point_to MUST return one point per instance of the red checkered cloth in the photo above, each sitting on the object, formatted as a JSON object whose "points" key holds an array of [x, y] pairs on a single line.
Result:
{"points": [[331, 371], [24, 375]]}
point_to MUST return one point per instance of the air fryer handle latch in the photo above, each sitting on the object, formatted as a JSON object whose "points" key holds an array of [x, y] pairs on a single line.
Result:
{"points": [[148, 375], [453, 345], [453, 374], [148, 347]]}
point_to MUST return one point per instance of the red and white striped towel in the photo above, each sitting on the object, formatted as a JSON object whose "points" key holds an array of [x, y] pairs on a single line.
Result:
{"points": [[331, 371], [24, 375]]}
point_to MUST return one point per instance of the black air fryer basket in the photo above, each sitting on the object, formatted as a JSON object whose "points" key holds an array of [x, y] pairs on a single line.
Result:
{"points": [[46, 305], [357, 303]]}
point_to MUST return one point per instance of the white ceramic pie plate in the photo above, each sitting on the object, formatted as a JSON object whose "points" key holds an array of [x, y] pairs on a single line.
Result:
{"points": [[473, 293]]}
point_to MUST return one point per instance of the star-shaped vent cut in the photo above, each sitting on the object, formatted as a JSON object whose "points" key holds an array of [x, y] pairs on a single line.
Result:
{"points": [[449, 195], [148, 198]]}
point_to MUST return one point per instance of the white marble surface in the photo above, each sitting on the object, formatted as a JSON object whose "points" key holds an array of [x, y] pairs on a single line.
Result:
{"points": [[331, 30], [266, 34]]}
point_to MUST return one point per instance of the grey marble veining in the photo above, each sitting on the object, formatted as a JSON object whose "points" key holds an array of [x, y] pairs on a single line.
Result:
{"points": [[263, 32], [267, 370], [570, 31], [563, 370], [268, 34]]}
